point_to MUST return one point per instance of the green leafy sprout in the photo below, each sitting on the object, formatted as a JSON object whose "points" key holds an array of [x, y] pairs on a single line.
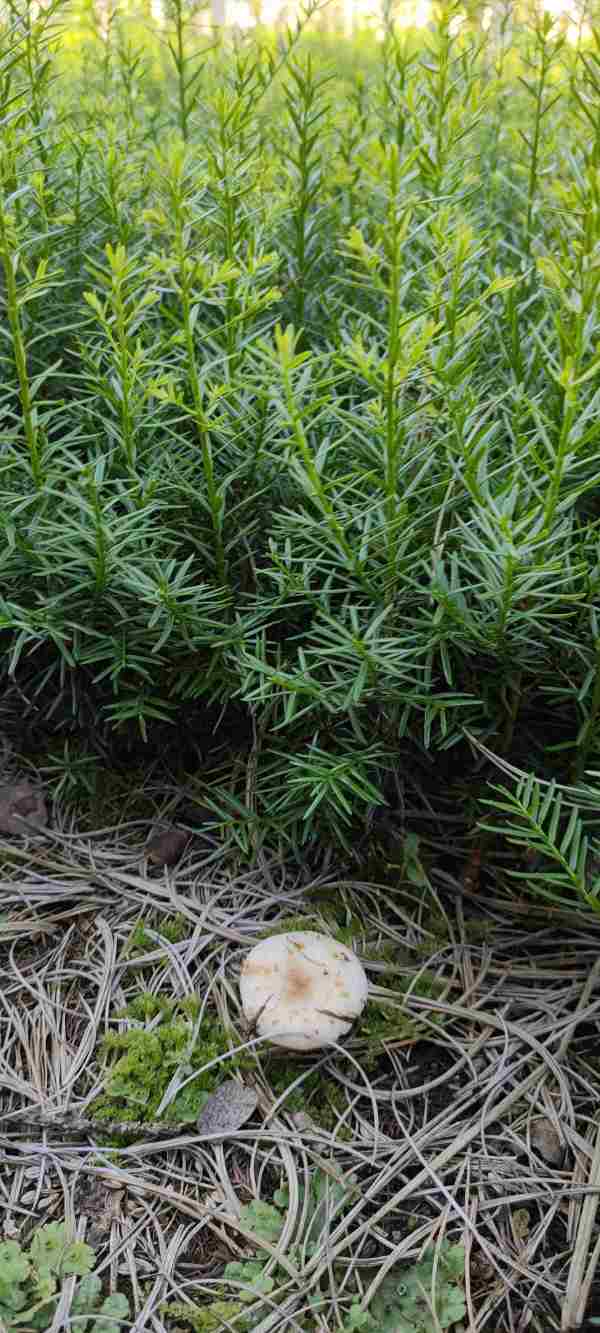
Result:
{"points": [[31, 1281], [419, 1299]]}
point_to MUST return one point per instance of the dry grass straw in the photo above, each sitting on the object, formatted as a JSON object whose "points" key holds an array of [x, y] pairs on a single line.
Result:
{"points": [[450, 1155]]}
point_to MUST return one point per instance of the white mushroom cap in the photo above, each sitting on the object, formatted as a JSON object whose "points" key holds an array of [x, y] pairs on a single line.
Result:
{"points": [[302, 990]]}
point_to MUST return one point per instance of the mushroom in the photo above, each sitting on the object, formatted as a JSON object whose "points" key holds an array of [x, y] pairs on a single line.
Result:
{"points": [[302, 990]]}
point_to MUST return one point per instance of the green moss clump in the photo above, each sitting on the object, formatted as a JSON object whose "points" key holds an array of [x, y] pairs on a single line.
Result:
{"points": [[146, 1006], [173, 929], [390, 952], [142, 1063], [321, 1096], [289, 923], [480, 929], [382, 1023], [330, 914], [437, 936], [208, 1318], [426, 985]]}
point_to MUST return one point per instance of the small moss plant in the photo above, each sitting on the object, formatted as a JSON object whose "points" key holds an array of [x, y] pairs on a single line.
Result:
{"points": [[31, 1283], [146, 1061], [384, 1023], [213, 1318], [173, 929]]}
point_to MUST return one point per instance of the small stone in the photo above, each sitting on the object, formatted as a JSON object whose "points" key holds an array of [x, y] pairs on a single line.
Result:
{"points": [[167, 848], [21, 806], [227, 1109], [546, 1140]]}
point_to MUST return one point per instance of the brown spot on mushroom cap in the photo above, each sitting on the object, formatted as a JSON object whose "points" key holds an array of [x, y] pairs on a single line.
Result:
{"points": [[298, 985]]}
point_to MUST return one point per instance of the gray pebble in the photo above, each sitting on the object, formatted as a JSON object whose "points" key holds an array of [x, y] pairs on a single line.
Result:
{"points": [[546, 1141], [227, 1109]]}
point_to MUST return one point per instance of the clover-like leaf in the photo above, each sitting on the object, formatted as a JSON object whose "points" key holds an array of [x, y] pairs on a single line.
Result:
{"points": [[44, 1285], [77, 1258], [454, 1261], [86, 1298], [263, 1220], [12, 1300], [47, 1246], [14, 1266], [252, 1274], [51, 1251], [452, 1307], [114, 1311], [38, 1319], [359, 1321]]}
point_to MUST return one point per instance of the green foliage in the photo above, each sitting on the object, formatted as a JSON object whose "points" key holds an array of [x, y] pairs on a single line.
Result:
{"points": [[402, 1304], [383, 1022], [263, 1220], [550, 825], [142, 1062], [412, 1302], [250, 1274], [211, 1318], [327, 1196], [172, 929], [113, 1311], [31, 1281], [299, 392], [321, 1095]]}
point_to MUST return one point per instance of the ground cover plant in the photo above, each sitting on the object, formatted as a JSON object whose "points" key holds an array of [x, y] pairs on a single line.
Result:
{"points": [[29, 1283], [299, 510], [299, 389]]}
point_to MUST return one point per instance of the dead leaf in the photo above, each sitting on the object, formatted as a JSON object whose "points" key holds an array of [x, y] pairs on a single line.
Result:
{"points": [[227, 1109], [166, 848], [21, 807], [546, 1140]]}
